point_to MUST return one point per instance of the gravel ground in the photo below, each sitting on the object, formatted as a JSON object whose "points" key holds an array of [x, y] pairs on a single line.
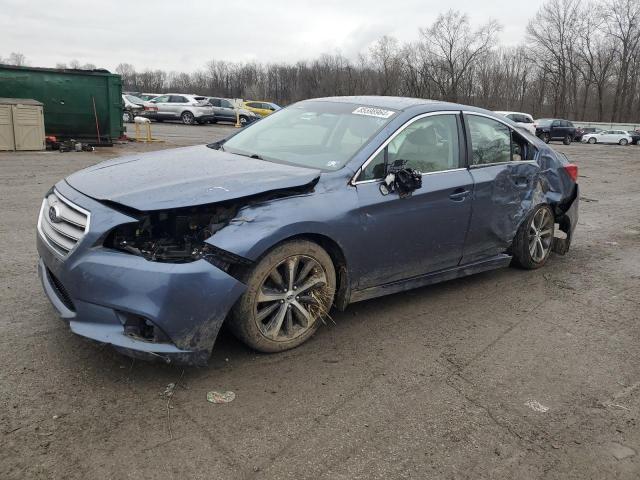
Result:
{"points": [[508, 374]]}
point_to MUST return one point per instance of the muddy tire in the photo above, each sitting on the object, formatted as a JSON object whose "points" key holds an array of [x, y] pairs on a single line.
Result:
{"points": [[288, 292], [534, 239]]}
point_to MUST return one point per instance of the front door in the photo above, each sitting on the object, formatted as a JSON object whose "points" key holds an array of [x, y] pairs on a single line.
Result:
{"points": [[425, 232]]}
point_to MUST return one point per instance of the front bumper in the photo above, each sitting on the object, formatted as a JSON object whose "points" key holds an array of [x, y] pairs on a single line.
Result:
{"points": [[96, 289]]}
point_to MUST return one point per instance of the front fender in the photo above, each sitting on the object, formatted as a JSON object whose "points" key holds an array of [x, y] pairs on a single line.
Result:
{"points": [[257, 228]]}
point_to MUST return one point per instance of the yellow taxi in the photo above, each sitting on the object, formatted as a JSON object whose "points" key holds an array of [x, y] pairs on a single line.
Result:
{"points": [[261, 108]]}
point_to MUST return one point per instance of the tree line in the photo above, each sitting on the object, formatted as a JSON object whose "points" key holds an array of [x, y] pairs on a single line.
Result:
{"points": [[579, 60]]}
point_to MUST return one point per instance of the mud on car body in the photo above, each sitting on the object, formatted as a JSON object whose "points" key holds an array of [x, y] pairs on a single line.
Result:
{"points": [[324, 203]]}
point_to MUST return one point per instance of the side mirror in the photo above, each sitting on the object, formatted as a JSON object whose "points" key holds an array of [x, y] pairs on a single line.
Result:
{"points": [[401, 179]]}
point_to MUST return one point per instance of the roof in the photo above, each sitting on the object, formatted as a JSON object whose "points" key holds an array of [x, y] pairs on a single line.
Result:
{"points": [[396, 103], [97, 71], [19, 101]]}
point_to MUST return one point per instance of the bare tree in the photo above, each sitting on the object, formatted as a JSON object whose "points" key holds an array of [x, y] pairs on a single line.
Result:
{"points": [[17, 59], [451, 48]]}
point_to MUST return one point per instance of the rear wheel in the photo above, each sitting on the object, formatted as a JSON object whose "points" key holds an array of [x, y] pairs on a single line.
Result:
{"points": [[243, 120], [534, 239], [288, 293], [592, 140], [187, 118], [623, 141], [127, 116]]}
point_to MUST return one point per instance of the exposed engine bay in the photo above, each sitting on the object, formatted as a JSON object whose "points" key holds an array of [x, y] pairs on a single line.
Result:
{"points": [[178, 235], [173, 236]]}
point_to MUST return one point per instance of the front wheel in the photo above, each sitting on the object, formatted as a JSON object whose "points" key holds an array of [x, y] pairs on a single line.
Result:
{"points": [[288, 293], [545, 137], [623, 141], [243, 120], [567, 140], [592, 141], [187, 118], [534, 239], [127, 116]]}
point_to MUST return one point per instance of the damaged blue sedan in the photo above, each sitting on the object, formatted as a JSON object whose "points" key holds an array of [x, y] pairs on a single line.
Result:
{"points": [[325, 203]]}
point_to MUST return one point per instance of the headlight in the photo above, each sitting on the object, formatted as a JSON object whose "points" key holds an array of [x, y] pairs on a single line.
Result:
{"points": [[175, 236]]}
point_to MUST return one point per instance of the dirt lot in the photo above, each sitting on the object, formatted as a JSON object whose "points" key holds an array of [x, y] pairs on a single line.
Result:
{"points": [[439, 382]]}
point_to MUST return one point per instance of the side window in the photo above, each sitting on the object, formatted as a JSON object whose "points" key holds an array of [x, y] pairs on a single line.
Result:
{"points": [[427, 145], [490, 140], [177, 99], [162, 99], [225, 104], [556, 123], [214, 102]]}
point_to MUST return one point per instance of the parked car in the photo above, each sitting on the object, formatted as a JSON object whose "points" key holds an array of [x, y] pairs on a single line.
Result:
{"points": [[190, 109], [548, 129], [148, 96], [523, 120], [318, 206], [581, 131], [261, 108], [635, 136], [225, 111], [608, 136], [134, 106]]}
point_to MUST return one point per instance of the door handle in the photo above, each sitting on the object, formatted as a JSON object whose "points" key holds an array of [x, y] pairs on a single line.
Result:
{"points": [[459, 194]]}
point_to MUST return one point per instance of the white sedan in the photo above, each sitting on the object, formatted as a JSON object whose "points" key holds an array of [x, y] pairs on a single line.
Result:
{"points": [[608, 136]]}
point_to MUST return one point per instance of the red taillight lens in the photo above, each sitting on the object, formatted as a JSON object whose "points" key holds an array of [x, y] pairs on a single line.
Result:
{"points": [[572, 170], [154, 109]]}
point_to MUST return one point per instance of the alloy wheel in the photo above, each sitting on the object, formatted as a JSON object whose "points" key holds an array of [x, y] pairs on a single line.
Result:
{"points": [[188, 118], [291, 298], [540, 235]]}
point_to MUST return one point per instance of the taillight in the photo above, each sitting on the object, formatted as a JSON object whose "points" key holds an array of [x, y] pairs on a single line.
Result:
{"points": [[572, 170], [153, 109]]}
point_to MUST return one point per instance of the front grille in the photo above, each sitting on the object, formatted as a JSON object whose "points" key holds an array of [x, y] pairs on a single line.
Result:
{"points": [[62, 224], [61, 292]]}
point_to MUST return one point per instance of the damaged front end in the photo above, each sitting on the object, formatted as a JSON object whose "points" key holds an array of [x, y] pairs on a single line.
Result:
{"points": [[177, 236]]}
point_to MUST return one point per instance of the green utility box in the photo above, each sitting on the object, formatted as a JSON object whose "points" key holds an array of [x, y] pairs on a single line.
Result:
{"points": [[77, 103]]}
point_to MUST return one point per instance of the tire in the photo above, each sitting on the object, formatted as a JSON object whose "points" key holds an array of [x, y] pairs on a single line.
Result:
{"points": [[545, 137], [623, 142], [244, 121], [567, 140], [592, 141], [280, 324], [536, 232], [187, 118], [127, 116]]}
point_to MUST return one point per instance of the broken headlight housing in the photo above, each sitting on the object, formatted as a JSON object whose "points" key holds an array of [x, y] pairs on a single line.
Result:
{"points": [[175, 236]]}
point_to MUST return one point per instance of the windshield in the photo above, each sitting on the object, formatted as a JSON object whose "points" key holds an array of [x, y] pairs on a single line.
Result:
{"points": [[322, 135], [134, 99], [544, 122]]}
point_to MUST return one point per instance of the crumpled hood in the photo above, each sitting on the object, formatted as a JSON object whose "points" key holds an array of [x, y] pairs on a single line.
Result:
{"points": [[185, 177]]}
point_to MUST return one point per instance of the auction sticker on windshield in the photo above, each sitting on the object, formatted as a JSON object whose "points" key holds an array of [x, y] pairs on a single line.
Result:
{"points": [[373, 112]]}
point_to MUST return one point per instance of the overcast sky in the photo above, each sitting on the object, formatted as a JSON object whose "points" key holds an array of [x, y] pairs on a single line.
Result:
{"points": [[185, 35]]}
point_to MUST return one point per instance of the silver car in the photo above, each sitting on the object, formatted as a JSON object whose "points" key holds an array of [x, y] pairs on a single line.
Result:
{"points": [[190, 109]]}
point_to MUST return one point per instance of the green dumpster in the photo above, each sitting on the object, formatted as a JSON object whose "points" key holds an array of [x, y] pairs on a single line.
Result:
{"points": [[77, 103]]}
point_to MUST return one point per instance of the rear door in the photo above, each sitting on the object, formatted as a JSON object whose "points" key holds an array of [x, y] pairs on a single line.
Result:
{"points": [[425, 232], [504, 176], [177, 105]]}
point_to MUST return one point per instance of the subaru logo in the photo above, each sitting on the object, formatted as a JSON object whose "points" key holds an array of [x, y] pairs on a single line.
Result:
{"points": [[54, 214]]}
